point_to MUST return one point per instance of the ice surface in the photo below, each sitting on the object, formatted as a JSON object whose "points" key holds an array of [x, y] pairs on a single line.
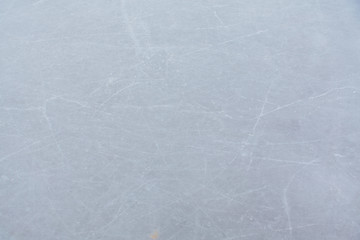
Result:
{"points": [[190, 119]]}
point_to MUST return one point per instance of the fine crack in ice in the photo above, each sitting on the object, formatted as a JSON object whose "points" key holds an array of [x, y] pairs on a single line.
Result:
{"points": [[107, 100], [287, 207]]}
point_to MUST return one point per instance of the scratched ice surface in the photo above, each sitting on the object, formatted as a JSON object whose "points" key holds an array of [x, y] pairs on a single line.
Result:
{"points": [[191, 119]]}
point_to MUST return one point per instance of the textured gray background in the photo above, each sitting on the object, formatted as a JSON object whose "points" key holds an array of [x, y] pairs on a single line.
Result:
{"points": [[190, 119]]}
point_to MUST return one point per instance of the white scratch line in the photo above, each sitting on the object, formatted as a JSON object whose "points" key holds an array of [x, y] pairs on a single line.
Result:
{"points": [[331, 91], [39, 2], [257, 122], [218, 18], [18, 151], [129, 27], [309, 98], [244, 37], [285, 198], [114, 95], [225, 42], [261, 111]]}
